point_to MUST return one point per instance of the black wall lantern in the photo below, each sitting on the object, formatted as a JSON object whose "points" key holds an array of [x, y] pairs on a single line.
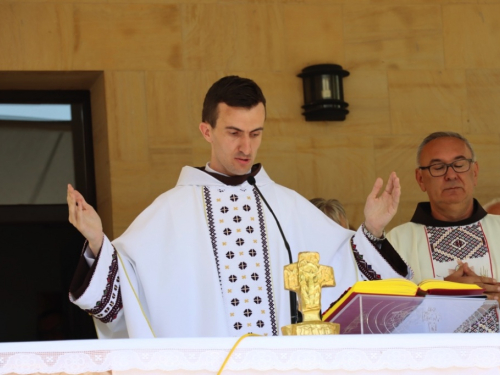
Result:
{"points": [[324, 92]]}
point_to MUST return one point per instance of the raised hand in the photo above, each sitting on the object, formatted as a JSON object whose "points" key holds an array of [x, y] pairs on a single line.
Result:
{"points": [[379, 210], [84, 218]]}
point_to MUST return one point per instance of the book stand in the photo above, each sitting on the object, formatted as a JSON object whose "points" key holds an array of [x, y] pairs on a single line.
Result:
{"points": [[366, 314]]}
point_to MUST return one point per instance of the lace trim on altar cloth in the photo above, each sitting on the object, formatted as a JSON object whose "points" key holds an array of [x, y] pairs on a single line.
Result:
{"points": [[243, 359]]}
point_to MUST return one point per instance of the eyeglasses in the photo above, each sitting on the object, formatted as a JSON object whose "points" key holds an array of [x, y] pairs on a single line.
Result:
{"points": [[440, 169]]}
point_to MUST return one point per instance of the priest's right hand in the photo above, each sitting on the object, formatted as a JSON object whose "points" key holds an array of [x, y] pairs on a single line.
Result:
{"points": [[84, 218]]}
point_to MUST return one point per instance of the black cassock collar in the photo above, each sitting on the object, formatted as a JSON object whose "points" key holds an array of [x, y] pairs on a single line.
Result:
{"points": [[423, 216]]}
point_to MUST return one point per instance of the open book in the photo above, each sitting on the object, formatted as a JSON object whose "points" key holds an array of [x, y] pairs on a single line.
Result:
{"points": [[400, 287]]}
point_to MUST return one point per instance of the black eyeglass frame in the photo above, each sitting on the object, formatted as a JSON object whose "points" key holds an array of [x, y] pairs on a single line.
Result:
{"points": [[448, 165]]}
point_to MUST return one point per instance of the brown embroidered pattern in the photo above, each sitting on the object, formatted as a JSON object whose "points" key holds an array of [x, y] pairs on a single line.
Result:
{"points": [[267, 266], [365, 268], [107, 309], [488, 323], [211, 227], [462, 242]]}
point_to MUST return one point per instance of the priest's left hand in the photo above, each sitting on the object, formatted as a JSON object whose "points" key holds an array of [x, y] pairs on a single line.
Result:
{"points": [[379, 210]]}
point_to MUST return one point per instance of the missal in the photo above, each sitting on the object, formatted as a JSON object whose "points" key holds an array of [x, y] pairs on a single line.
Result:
{"points": [[382, 305]]}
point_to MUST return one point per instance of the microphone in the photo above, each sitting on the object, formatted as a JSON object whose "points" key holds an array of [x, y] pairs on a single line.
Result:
{"points": [[293, 297]]}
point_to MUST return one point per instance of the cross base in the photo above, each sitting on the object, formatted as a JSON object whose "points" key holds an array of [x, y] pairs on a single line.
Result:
{"points": [[311, 328]]}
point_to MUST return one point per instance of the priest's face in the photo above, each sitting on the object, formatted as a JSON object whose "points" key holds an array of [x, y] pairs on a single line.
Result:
{"points": [[235, 139], [452, 192]]}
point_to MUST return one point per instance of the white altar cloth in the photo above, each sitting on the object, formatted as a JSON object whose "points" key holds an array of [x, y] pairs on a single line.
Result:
{"points": [[345, 354]]}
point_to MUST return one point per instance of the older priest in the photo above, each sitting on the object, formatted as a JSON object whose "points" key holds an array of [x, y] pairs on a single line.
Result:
{"points": [[206, 257], [451, 237]]}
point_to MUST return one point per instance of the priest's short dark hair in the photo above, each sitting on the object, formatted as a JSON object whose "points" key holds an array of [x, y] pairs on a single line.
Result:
{"points": [[235, 92]]}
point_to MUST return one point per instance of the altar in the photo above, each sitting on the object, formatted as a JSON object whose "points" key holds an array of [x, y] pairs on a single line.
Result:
{"points": [[457, 353]]}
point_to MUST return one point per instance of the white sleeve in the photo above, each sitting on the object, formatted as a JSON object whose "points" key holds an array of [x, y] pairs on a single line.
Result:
{"points": [[102, 296], [89, 256], [372, 262]]}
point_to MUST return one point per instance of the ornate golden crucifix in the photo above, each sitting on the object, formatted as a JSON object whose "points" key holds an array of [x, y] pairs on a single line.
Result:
{"points": [[306, 278]]}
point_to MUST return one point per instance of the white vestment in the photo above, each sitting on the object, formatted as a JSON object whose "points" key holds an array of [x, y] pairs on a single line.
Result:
{"points": [[168, 275], [431, 247]]}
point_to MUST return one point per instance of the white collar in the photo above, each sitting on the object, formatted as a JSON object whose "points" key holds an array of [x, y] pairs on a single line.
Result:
{"points": [[211, 170], [193, 176]]}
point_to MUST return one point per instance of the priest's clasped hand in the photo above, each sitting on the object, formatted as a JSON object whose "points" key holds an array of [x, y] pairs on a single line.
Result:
{"points": [[464, 274], [379, 210], [84, 218]]}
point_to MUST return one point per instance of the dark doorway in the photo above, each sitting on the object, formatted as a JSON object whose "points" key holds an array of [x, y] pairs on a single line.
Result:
{"points": [[39, 249]]}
